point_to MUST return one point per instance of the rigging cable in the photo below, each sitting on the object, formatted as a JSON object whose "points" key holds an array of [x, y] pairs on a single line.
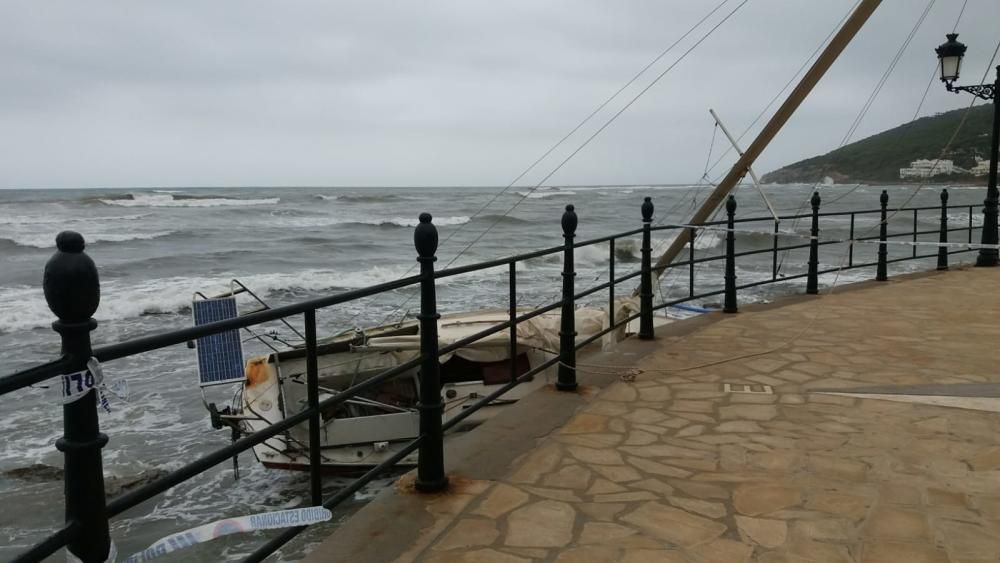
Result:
{"points": [[787, 84], [935, 72], [862, 114], [606, 124], [699, 186], [708, 182], [559, 143], [588, 140]]}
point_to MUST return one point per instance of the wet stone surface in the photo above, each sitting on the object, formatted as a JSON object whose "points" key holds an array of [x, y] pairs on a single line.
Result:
{"points": [[669, 468]]}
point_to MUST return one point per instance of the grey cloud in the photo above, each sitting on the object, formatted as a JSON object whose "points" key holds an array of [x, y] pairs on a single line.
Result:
{"points": [[259, 93]]}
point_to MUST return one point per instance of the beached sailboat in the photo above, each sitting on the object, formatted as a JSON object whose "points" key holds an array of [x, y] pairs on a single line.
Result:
{"points": [[368, 429], [371, 427]]}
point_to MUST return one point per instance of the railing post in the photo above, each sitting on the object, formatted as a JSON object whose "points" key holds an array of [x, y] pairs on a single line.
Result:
{"points": [[850, 248], [883, 248], [611, 282], [812, 280], [730, 301], [567, 326], [73, 292], [774, 252], [512, 316], [646, 277], [943, 250], [315, 420], [430, 463], [692, 235]]}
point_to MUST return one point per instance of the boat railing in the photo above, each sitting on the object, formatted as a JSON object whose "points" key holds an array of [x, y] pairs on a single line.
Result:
{"points": [[72, 292]]}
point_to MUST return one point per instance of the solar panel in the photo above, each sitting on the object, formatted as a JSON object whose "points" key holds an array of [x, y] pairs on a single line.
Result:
{"points": [[220, 356]]}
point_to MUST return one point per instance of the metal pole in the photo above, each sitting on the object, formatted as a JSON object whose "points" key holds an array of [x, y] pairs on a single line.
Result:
{"points": [[774, 253], [646, 279], [693, 238], [315, 421], [430, 463], [567, 326], [73, 292], [730, 301], [611, 282], [812, 280], [942, 262], [753, 175], [804, 87], [988, 256], [850, 250], [512, 315], [883, 248]]}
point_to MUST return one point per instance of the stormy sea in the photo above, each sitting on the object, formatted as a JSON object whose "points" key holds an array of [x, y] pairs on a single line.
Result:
{"points": [[156, 247]]}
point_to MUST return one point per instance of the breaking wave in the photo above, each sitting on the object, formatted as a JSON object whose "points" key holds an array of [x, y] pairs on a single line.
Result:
{"points": [[48, 240], [544, 193], [501, 220], [362, 198], [50, 220], [143, 199], [310, 222], [24, 306]]}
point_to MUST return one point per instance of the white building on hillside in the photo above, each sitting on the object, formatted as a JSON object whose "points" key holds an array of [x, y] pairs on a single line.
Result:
{"points": [[926, 168], [981, 168]]}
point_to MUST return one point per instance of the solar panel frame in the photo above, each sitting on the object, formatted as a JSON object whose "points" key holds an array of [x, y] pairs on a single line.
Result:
{"points": [[220, 356]]}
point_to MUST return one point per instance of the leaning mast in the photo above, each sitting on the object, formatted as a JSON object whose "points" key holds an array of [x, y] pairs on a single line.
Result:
{"points": [[777, 121]]}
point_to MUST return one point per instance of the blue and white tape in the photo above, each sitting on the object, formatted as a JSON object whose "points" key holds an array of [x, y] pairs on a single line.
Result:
{"points": [[253, 522]]}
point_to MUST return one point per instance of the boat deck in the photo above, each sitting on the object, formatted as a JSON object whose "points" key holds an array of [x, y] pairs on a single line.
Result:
{"points": [[828, 447]]}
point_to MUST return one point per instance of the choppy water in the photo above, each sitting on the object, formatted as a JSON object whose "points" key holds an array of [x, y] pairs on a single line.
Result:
{"points": [[155, 248]]}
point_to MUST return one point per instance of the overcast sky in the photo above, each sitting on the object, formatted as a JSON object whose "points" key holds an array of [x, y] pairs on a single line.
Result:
{"points": [[231, 93]]}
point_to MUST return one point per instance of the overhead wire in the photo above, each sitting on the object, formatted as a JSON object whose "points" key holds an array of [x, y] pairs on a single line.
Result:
{"points": [[708, 181], [552, 149], [819, 308], [594, 135], [607, 123], [705, 180], [866, 107]]}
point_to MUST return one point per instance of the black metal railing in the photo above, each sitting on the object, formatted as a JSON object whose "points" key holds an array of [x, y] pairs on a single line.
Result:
{"points": [[72, 292]]}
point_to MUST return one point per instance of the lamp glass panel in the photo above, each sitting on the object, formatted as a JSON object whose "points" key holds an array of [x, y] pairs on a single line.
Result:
{"points": [[950, 67]]}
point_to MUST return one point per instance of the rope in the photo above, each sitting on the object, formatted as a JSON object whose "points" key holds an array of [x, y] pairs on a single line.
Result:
{"points": [[864, 112], [787, 84], [586, 142], [629, 372]]}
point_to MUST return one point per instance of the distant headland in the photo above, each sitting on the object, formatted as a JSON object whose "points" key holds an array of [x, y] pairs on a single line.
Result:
{"points": [[901, 154]]}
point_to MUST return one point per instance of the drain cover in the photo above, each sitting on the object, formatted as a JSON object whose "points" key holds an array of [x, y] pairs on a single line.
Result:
{"points": [[747, 388]]}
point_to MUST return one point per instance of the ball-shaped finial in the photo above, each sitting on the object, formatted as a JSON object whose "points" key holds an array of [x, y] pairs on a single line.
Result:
{"points": [[647, 210], [944, 196], [71, 285], [815, 200], [731, 205], [884, 198], [569, 221], [425, 237]]}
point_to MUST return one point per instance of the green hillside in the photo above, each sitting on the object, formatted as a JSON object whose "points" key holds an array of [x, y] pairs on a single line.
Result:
{"points": [[879, 157]]}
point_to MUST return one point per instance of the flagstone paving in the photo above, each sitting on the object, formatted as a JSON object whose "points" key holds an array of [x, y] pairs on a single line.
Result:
{"points": [[672, 468]]}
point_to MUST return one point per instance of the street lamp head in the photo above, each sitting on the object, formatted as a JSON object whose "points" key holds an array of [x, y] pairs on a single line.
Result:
{"points": [[950, 55]]}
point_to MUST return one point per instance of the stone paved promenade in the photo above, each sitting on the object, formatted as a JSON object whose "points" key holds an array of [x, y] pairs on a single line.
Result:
{"points": [[675, 467]]}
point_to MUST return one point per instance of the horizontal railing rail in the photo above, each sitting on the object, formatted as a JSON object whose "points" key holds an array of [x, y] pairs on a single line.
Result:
{"points": [[72, 293]]}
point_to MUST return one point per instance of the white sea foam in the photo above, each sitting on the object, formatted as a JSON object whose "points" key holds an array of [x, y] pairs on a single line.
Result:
{"points": [[142, 199], [307, 222], [53, 220], [24, 306], [541, 194], [48, 240]]}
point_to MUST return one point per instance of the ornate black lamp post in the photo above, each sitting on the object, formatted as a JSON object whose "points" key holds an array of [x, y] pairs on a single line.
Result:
{"points": [[950, 56]]}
